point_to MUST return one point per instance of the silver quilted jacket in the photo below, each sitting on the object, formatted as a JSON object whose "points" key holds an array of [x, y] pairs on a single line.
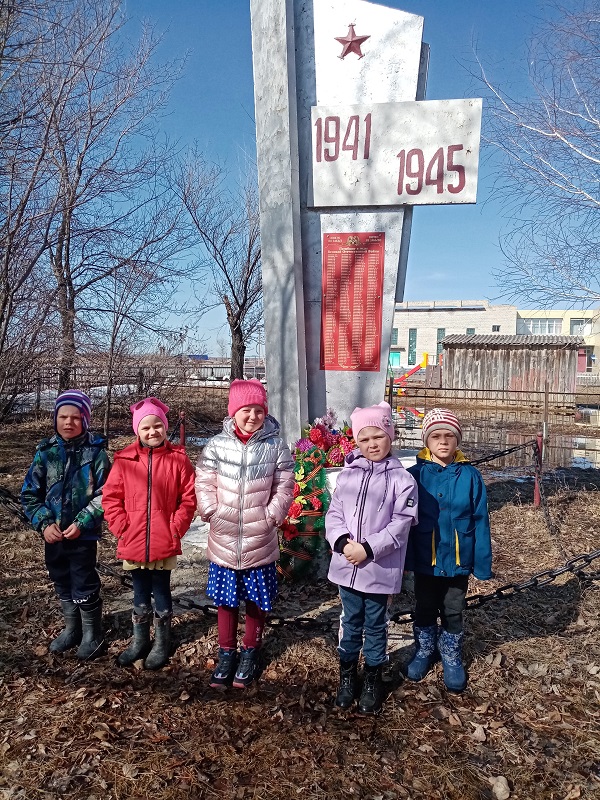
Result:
{"points": [[244, 491]]}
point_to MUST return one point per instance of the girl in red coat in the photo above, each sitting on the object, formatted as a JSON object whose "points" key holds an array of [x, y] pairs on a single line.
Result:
{"points": [[149, 503]]}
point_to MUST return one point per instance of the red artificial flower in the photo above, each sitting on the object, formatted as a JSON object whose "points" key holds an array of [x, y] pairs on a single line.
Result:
{"points": [[297, 490], [295, 510], [316, 503], [315, 436]]}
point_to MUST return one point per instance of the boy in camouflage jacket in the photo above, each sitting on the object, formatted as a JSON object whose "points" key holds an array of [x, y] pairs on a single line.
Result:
{"points": [[61, 497]]}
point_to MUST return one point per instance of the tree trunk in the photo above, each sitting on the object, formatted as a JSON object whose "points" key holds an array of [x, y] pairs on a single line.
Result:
{"points": [[238, 353]]}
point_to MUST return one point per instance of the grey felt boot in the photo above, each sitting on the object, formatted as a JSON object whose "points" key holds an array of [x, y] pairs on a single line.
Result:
{"points": [[159, 655], [71, 635], [92, 644], [140, 645]]}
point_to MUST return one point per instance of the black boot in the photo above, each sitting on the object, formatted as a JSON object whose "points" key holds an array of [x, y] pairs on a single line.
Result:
{"points": [[71, 636], [140, 645], [348, 679], [372, 690], [159, 655], [93, 644]]}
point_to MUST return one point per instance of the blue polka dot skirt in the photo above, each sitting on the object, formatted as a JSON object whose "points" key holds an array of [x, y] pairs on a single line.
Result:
{"points": [[228, 587]]}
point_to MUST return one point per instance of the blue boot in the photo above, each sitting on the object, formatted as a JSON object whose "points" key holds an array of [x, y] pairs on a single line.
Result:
{"points": [[426, 654], [450, 647]]}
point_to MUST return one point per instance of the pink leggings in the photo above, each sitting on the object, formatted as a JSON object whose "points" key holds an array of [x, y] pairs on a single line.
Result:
{"points": [[227, 622]]}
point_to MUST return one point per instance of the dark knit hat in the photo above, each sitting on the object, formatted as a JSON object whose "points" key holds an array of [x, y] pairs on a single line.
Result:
{"points": [[73, 397]]}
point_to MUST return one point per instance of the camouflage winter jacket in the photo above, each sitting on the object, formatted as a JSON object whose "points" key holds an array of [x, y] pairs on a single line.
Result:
{"points": [[64, 484]]}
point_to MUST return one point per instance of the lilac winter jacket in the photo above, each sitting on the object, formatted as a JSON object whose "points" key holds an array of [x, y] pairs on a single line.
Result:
{"points": [[375, 503]]}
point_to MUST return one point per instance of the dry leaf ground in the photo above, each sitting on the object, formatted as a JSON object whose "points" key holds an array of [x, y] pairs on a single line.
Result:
{"points": [[528, 723]]}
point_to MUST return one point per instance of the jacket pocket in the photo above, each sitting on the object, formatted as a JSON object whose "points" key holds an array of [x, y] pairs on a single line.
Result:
{"points": [[130, 504], [464, 541]]}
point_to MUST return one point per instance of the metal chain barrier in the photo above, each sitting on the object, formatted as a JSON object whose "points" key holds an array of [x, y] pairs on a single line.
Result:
{"points": [[501, 453]]}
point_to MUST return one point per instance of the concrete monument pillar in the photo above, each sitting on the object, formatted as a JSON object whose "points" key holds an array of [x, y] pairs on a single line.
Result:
{"points": [[346, 146]]}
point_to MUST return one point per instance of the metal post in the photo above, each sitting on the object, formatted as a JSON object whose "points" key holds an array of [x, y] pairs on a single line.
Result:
{"points": [[537, 497], [182, 428], [391, 391]]}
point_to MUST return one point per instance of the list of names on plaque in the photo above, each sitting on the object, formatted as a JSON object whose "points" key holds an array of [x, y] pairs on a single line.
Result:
{"points": [[352, 301]]}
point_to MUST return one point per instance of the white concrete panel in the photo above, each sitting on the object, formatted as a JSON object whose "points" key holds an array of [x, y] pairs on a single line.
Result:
{"points": [[389, 68], [391, 154]]}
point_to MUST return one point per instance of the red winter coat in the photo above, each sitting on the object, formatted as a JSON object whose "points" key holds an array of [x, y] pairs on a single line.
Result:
{"points": [[149, 501]]}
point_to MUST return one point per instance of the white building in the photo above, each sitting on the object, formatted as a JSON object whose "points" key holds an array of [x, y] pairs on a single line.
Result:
{"points": [[420, 327]]}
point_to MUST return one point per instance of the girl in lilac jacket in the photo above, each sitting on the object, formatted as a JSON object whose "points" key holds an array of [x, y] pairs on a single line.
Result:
{"points": [[371, 512]]}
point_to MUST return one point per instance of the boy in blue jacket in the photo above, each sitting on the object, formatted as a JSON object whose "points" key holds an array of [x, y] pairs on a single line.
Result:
{"points": [[61, 497], [451, 541]]}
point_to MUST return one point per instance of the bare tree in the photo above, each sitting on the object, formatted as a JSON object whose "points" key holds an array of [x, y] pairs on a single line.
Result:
{"points": [[84, 179], [228, 228], [550, 145]]}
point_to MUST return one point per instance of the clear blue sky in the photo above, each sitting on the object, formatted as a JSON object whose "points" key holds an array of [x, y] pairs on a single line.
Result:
{"points": [[453, 248]]}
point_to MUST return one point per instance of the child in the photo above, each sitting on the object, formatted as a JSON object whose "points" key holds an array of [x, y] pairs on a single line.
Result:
{"points": [[61, 498], [451, 541], [367, 525], [244, 485], [149, 504]]}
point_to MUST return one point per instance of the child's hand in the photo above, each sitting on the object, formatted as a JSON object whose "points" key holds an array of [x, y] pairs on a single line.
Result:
{"points": [[72, 532], [53, 533], [355, 553]]}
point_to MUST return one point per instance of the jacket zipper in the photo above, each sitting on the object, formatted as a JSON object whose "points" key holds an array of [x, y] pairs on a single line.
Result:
{"points": [[148, 505], [241, 523], [360, 515]]}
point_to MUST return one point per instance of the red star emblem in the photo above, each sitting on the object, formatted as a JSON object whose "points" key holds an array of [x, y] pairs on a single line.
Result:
{"points": [[351, 42]]}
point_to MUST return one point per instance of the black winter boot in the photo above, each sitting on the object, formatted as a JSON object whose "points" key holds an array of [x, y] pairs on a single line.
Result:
{"points": [[140, 645], [224, 672], [71, 636], [346, 693], [159, 655], [248, 667], [372, 690], [93, 644]]}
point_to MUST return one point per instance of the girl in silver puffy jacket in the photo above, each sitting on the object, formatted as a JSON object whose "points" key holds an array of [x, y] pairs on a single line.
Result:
{"points": [[244, 487]]}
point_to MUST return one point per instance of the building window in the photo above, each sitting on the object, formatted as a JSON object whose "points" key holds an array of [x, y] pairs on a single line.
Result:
{"points": [[542, 327], [412, 347], [495, 328], [441, 332], [394, 336], [580, 327], [470, 331]]}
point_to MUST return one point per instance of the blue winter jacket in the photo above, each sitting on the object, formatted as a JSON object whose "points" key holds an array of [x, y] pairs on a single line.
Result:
{"points": [[452, 536], [64, 484]]}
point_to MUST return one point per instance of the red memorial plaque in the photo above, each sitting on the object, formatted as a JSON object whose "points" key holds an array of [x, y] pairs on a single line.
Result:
{"points": [[352, 298]]}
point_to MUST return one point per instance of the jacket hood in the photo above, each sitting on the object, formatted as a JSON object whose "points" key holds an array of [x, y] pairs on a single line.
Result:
{"points": [[459, 457], [270, 428], [356, 460]]}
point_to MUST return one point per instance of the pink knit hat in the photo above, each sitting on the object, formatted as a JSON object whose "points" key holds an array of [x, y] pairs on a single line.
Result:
{"points": [[441, 419], [246, 393], [150, 405], [379, 416]]}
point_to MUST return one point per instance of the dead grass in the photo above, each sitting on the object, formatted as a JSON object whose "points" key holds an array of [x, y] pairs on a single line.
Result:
{"points": [[531, 712]]}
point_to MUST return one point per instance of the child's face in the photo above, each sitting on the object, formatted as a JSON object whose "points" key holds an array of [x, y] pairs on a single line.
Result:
{"points": [[373, 443], [68, 422], [442, 446], [151, 431], [249, 418]]}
